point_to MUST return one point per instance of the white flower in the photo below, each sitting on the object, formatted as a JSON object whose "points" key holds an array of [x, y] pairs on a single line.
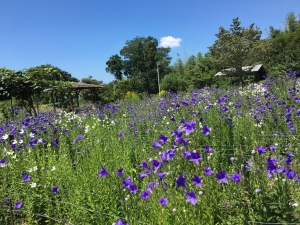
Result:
{"points": [[53, 168], [30, 170], [31, 134], [21, 131], [33, 185], [9, 153], [4, 137], [35, 168]]}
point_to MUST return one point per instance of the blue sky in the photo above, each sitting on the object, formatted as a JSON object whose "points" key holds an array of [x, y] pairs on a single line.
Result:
{"points": [[79, 36]]}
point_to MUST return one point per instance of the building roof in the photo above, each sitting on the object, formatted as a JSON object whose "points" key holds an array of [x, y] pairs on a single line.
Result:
{"points": [[249, 69], [80, 86]]}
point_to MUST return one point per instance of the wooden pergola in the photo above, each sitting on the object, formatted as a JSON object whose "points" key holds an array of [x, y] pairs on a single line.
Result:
{"points": [[77, 87]]}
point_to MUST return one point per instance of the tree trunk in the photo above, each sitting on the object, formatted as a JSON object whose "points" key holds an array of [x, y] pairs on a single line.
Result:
{"points": [[31, 106]]}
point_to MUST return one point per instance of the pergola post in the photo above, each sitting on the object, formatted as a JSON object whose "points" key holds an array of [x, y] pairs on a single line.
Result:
{"points": [[53, 101], [71, 103], [77, 97], [95, 96]]}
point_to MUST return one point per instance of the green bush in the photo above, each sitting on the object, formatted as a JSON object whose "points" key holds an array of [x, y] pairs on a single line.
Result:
{"points": [[173, 82]]}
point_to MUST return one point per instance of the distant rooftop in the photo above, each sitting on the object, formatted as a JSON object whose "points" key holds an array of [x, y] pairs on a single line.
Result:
{"points": [[250, 69]]}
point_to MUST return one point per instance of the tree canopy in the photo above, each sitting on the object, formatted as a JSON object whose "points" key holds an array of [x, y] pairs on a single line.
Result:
{"points": [[233, 47], [137, 61]]}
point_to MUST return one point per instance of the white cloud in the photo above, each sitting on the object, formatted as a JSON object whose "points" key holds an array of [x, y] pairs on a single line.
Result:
{"points": [[170, 41]]}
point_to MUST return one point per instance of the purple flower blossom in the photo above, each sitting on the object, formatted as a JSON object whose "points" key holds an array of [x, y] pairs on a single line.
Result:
{"points": [[79, 137], [167, 155], [160, 175], [271, 163], [156, 165], [195, 157], [163, 139], [197, 181], [163, 201], [120, 133], [273, 147], [120, 222], [186, 154], [143, 175], [156, 144], [120, 172], [3, 161], [55, 190], [281, 170], [103, 172], [152, 184], [221, 176], [5, 199], [25, 177], [189, 127], [287, 160], [292, 127], [18, 204], [206, 130], [144, 165], [248, 164], [145, 194], [191, 197], [207, 149], [236, 177], [261, 150], [180, 181], [133, 188], [297, 180], [290, 174], [177, 133], [208, 171], [126, 182]]}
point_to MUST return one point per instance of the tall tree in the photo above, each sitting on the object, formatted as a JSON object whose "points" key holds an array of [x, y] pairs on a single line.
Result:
{"points": [[115, 66], [139, 63], [291, 23], [233, 47]]}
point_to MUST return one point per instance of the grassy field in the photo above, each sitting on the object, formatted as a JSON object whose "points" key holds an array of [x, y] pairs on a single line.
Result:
{"points": [[212, 156]]}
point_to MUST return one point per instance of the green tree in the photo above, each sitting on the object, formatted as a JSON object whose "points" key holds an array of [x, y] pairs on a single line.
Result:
{"points": [[203, 71], [178, 67], [174, 82], [273, 33], [233, 48], [53, 76], [115, 66], [138, 63], [291, 22]]}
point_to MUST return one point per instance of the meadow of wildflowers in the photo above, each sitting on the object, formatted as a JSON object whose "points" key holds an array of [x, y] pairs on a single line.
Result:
{"points": [[212, 156]]}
